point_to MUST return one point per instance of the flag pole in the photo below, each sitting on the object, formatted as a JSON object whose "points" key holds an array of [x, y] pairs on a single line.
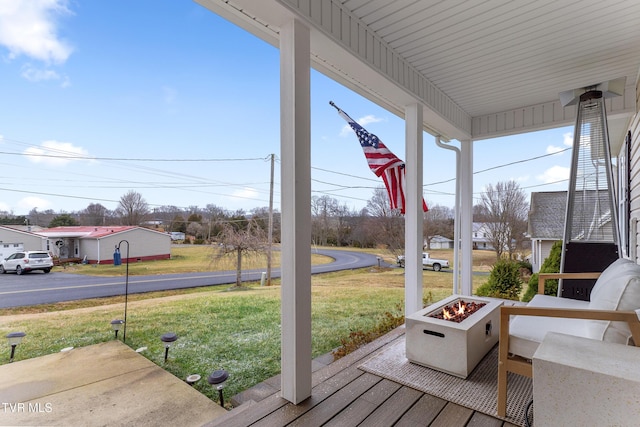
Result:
{"points": [[341, 112]]}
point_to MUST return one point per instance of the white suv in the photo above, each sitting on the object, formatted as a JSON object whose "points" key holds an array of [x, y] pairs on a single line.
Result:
{"points": [[22, 262]]}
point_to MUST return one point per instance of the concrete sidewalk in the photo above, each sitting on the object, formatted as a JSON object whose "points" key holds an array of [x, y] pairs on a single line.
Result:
{"points": [[103, 384]]}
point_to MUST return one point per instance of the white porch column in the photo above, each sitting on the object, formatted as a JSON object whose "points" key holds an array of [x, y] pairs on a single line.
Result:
{"points": [[413, 241], [295, 150], [466, 216]]}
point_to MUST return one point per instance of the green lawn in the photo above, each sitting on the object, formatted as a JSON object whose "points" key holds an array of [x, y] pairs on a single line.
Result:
{"points": [[184, 259], [235, 330]]}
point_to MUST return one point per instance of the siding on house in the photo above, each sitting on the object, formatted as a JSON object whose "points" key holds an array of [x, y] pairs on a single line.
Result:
{"points": [[30, 241], [546, 224], [634, 178], [439, 242], [480, 235], [144, 245]]}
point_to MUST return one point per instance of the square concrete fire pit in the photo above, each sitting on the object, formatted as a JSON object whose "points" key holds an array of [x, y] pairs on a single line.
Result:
{"points": [[448, 346]]}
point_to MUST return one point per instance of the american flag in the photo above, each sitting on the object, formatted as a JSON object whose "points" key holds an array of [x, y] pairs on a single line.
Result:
{"points": [[382, 162]]}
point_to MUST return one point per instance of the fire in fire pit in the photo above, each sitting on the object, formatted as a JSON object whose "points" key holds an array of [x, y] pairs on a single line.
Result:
{"points": [[458, 311]]}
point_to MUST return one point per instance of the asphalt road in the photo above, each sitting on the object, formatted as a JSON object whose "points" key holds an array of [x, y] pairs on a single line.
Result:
{"points": [[40, 288]]}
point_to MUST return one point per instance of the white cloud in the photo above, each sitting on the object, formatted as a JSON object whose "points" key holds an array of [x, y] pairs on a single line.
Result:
{"points": [[553, 174], [552, 149], [568, 139], [34, 74], [246, 193], [30, 28], [55, 153], [31, 202], [4, 207], [362, 122], [369, 119]]}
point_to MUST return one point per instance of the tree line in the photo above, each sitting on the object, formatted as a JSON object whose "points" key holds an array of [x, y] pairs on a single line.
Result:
{"points": [[503, 208]]}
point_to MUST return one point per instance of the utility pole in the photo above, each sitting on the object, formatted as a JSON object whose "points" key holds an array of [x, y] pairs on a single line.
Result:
{"points": [[270, 223]]}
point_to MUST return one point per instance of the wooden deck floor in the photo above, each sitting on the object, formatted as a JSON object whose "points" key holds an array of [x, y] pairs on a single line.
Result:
{"points": [[344, 395]]}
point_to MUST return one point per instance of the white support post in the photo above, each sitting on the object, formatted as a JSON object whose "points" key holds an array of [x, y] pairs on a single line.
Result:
{"points": [[295, 151], [413, 212], [466, 216]]}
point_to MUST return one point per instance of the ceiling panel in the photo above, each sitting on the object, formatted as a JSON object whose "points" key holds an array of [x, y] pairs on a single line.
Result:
{"points": [[487, 56], [493, 56]]}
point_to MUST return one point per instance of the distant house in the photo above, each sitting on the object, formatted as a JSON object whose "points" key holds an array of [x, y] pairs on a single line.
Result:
{"points": [[97, 245], [152, 223], [440, 242], [177, 235], [546, 224], [481, 237]]}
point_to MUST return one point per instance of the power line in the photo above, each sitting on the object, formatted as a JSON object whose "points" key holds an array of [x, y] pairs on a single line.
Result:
{"points": [[522, 161], [200, 182], [124, 159]]}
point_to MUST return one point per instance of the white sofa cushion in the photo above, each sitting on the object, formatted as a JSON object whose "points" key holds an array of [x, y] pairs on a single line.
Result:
{"points": [[618, 288], [527, 332]]}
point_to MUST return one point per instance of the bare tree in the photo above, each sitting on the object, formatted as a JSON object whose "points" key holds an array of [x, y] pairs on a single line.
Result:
{"points": [[322, 209], [389, 222], [166, 214], [196, 230], [343, 224], [94, 214], [438, 221], [132, 208], [41, 217], [214, 216], [242, 241], [506, 208]]}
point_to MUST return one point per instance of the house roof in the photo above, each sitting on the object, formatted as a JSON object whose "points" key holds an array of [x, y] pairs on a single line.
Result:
{"points": [[481, 68], [89, 232], [18, 229], [547, 215]]}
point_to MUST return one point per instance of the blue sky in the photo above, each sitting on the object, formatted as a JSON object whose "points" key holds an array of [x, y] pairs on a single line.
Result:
{"points": [[167, 99]]}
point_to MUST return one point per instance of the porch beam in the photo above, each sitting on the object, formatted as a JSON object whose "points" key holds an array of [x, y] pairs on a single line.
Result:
{"points": [[413, 212], [295, 151]]}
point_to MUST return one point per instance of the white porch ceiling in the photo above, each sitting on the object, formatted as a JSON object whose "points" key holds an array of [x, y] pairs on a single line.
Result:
{"points": [[482, 68]]}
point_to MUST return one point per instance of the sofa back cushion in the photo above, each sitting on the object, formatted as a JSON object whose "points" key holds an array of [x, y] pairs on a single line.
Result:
{"points": [[618, 288]]}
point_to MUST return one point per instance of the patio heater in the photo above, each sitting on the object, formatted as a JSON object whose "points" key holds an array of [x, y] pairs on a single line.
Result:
{"points": [[591, 235]]}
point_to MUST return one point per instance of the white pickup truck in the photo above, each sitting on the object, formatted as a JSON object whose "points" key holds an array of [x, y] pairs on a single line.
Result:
{"points": [[436, 264]]}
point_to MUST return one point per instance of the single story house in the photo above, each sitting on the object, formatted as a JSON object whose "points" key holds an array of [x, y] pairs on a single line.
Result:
{"points": [[439, 242], [14, 239], [97, 244]]}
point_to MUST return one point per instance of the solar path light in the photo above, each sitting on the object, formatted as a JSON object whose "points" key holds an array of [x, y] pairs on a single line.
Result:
{"points": [[14, 339], [116, 325], [217, 379], [168, 339]]}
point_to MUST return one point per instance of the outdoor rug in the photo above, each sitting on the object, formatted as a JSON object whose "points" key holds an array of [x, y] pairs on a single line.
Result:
{"points": [[478, 391]]}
